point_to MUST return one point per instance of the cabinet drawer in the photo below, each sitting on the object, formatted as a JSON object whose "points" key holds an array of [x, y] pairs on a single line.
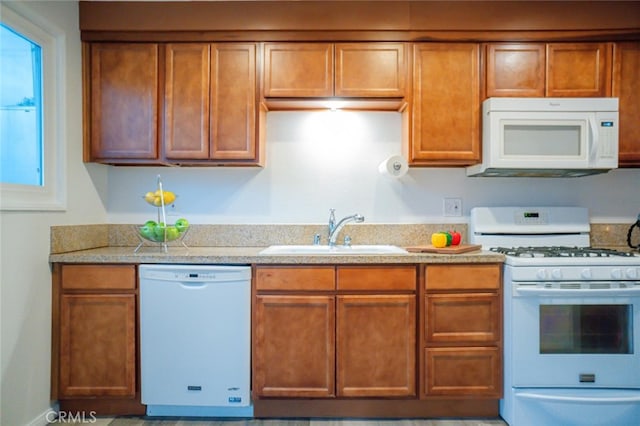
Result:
{"points": [[376, 278], [98, 277], [463, 371], [295, 278], [466, 277], [469, 318]]}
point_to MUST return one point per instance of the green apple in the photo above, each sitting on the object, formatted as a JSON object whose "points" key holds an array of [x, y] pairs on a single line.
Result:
{"points": [[182, 224], [147, 232], [172, 233], [151, 223], [159, 232]]}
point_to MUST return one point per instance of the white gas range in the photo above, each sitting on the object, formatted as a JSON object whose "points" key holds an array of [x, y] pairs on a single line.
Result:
{"points": [[571, 318]]}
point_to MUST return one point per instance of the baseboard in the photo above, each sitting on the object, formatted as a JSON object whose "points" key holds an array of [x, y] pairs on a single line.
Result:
{"points": [[46, 417]]}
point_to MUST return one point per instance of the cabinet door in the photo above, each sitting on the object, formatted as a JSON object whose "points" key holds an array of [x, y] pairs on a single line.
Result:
{"points": [[463, 371], [370, 70], [186, 101], [376, 345], [578, 69], [293, 346], [97, 345], [446, 104], [626, 87], [233, 102], [463, 318], [124, 101], [515, 69], [298, 70]]}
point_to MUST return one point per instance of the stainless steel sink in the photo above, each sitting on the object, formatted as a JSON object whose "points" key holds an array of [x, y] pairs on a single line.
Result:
{"points": [[332, 250]]}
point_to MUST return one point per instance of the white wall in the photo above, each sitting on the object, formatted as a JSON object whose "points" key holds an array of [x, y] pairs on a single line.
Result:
{"points": [[318, 160], [25, 277]]}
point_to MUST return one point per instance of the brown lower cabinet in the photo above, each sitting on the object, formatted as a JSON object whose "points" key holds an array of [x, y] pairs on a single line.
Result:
{"points": [[462, 331], [94, 339], [325, 331]]}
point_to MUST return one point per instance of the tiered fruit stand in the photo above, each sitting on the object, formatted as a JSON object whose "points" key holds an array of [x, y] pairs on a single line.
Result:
{"points": [[158, 233]]}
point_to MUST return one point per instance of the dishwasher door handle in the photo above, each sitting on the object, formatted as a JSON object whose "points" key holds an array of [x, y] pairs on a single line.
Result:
{"points": [[194, 285]]}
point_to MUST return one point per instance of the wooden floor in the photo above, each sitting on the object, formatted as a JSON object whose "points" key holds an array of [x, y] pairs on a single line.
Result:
{"points": [[142, 421]]}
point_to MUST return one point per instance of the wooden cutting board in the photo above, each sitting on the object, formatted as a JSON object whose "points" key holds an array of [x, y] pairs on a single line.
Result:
{"points": [[462, 248]]}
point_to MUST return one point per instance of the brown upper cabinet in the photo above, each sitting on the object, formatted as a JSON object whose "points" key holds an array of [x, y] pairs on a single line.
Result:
{"points": [[210, 102], [188, 103], [626, 87], [444, 125], [308, 70], [551, 69], [122, 101]]}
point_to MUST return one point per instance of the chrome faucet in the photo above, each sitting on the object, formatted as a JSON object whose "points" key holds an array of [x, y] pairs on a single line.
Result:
{"points": [[335, 228]]}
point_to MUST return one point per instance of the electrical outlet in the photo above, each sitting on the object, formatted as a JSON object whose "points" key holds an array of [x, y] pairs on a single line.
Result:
{"points": [[452, 207]]}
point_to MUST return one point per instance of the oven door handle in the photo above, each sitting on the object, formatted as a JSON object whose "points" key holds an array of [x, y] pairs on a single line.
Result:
{"points": [[535, 291], [580, 399]]}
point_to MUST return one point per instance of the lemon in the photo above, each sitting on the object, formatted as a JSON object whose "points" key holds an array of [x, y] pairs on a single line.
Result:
{"points": [[169, 197], [149, 197]]}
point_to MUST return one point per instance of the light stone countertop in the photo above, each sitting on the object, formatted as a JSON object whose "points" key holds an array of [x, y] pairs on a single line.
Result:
{"points": [[250, 255]]}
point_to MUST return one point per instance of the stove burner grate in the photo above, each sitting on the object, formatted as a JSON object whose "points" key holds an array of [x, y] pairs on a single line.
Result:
{"points": [[560, 251]]}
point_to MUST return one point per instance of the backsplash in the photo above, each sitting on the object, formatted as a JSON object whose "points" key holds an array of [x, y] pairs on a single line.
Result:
{"points": [[609, 235], [78, 237]]}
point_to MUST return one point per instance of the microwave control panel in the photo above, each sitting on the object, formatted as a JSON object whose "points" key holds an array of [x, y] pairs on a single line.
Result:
{"points": [[608, 135]]}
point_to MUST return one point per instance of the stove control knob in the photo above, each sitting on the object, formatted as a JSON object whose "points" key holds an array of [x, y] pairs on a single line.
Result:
{"points": [[541, 274], [586, 273], [616, 274], [632, 273], [556, 273]]}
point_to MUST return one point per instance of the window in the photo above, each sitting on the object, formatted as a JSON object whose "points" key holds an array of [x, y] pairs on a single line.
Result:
{"points": [[20, 109], [31, 112]]}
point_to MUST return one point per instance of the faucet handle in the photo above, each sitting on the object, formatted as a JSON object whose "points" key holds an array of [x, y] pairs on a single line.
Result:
{"points": [[316, 240], [347, 240], [332, 220]]}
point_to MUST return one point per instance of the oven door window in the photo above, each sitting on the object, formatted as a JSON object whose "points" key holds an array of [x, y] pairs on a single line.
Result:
{"points": [[586, 329]]}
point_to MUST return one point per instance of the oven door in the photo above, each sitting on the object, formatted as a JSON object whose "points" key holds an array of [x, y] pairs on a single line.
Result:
{"points": [[582, 338]]}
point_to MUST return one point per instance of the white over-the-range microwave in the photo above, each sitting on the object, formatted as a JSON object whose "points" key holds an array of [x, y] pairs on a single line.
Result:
{"points": [[548, 137]]}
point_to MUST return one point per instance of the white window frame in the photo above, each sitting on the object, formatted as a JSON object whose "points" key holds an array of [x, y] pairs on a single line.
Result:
{"points": [[52, 194]]}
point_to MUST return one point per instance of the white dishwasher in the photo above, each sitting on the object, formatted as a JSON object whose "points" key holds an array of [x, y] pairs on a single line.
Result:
{"points": [[195, 340]]}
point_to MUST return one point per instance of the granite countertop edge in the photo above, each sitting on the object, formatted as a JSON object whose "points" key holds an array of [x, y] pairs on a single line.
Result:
{"points": [[250, 255]]}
